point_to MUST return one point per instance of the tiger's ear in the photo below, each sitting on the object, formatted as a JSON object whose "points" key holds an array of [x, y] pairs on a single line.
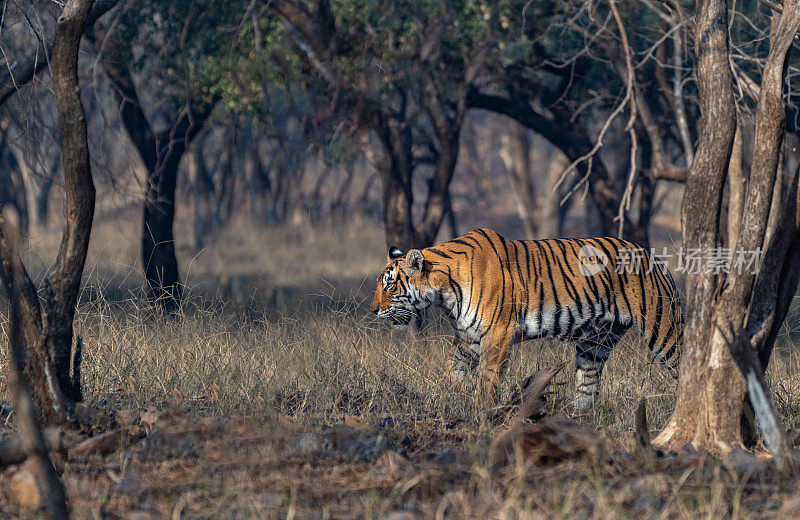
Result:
{"points": [[394, 252], [414, 262]]}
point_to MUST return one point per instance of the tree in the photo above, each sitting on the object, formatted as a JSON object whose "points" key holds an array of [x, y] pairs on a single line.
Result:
{"points": [[183, 63], [26, 413], [27, 66], [552, 78], [51, 366], [733, 318], [537, 189], [385, 63]]}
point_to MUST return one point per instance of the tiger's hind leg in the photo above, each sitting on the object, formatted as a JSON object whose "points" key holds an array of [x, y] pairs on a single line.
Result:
{"points": [[591, 354], [465, 359]]}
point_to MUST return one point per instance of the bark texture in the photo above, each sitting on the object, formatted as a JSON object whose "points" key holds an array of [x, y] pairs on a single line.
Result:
{"points": [[32, 440], [730, 327], [50, 366], [710, 391], [61, 290]]}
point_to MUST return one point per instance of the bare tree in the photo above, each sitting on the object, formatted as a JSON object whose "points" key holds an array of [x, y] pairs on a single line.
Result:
{"points": [[51, 366], [732, 318]]}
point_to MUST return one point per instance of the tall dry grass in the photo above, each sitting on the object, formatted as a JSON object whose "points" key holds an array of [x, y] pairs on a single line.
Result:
{"points": [[216, 360], [276, 321]]}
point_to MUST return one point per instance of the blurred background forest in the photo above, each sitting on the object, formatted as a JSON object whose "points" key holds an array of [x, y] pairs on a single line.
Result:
{"points": [[295, 136]]}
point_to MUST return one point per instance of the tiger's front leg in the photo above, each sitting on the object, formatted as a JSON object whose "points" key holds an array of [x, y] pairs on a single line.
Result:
{"points": [[465, 359], [493, 365]]}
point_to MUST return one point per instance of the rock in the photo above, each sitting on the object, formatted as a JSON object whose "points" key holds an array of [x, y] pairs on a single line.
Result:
{"points": [[23, 488], [103, 444], [369, 448], [743, 461], [309, 443]]}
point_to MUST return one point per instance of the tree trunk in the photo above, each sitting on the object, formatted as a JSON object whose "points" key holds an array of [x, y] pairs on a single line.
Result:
{"points": [[61, 290], [438, 191], [13, 190], [719, 348], [158, 242], [13, 78], [202, 188], [710, 390], [397, 204], [51, 368], [515, 153], [161, 154], [394, 163], [551, 211], [450, 216], [736, 187], [776, 207], [26, 414]]}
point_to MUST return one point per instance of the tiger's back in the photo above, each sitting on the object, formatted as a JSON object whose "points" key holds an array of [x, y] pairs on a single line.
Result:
{"points": [[556, 287]]}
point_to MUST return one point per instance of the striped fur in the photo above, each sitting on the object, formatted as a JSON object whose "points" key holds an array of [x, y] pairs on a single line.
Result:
{"points": [[497, 292]]}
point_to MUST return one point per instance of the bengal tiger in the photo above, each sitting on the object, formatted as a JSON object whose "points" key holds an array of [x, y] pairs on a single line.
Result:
{"points": [[496, 292]]}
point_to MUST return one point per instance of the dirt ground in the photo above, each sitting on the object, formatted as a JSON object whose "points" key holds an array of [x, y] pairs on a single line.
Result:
{"points": [[169, 465]]}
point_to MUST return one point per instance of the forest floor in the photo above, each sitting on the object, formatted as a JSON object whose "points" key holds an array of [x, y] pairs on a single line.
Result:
{"points": [[274, 393]]}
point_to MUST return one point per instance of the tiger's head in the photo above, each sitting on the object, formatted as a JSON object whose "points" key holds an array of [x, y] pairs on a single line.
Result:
{"points": [[403, 287]]}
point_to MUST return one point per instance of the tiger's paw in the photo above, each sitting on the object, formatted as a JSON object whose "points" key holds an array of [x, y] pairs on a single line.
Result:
{"points": [[585, 402]]}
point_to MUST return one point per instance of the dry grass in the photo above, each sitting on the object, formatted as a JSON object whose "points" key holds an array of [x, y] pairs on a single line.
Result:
{"points": [[213, 360], [276, 324]]}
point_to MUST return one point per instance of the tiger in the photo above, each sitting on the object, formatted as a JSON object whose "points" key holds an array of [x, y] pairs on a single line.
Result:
{"points": [[496, 292]]}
